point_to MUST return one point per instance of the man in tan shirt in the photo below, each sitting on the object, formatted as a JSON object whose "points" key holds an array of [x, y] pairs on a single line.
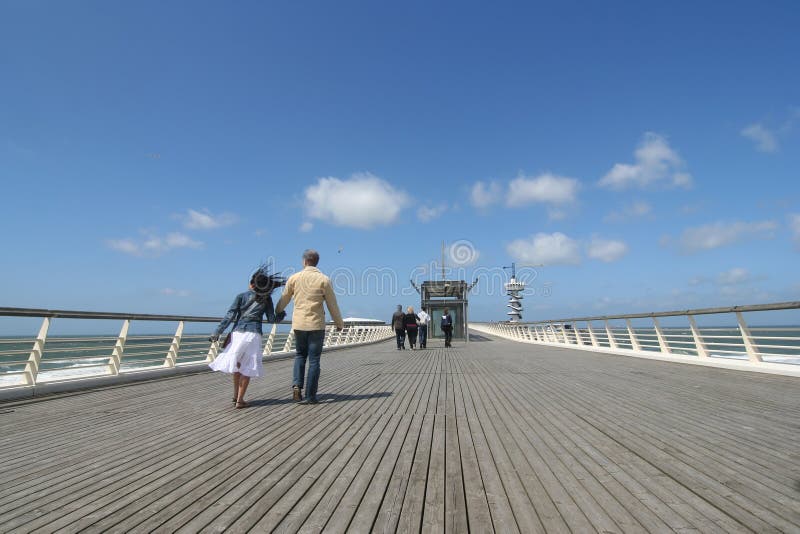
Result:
{"points": [[310, 288]]}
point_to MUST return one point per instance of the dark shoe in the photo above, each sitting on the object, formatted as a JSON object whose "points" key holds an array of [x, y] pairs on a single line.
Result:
{"points": [[297, 394], [309, 401]]}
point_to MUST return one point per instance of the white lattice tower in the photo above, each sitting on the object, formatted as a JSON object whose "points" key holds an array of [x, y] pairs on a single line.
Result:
{"points": [[514, 291]]}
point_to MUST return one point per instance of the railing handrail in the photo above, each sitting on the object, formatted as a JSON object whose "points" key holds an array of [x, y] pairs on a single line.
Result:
{"points": [[76, 314], [698, 311], [735, 347]]}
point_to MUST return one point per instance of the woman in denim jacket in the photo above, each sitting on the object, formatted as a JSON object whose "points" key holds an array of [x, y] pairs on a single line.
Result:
{"points": [[242, 357]]}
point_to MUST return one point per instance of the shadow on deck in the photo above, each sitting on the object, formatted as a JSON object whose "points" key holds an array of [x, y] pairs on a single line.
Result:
{"points": [[491, 436]]}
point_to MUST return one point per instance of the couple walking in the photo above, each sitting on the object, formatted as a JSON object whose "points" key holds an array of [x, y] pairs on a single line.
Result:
{"points": [[242, 355], [410, 324]]}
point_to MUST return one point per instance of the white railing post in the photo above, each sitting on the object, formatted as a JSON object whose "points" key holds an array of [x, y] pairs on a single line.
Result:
{"points": [[35, 358], [333, 339], [270, 340], [289, 341], [577, 330], [632, 334], [699, 344], [564, 334], [174, 347], [592, 336], [753, 354], [611, 341], [662, 341], [568, 333], [115, 361], [213, 350]]}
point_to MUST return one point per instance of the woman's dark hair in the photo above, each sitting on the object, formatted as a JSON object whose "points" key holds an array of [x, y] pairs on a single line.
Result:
{"points": [[264, 283]]}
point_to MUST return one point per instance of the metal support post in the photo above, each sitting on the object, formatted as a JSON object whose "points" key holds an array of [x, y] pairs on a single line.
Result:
{"points": [[662, 341], [753, 354], [611, 341], [174, 347], [115, 361], [632, 334], [35, 358]]}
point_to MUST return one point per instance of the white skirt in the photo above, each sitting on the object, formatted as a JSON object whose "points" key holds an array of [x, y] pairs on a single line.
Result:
{"points": [[243, 355]]}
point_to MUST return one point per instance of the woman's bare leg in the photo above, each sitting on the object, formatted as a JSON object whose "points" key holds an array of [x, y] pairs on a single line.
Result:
{"points": [[244, 381], [236, 377]]}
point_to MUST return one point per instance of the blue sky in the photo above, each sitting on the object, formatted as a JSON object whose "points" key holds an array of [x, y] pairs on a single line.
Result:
{"points": [[152, 154]]}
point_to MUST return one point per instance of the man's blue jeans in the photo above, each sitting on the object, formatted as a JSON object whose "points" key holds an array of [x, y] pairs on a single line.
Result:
{"points": [[308, 344]]}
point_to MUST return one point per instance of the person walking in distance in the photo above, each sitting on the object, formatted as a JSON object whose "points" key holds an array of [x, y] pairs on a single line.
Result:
{"points": [[411, 325], [241, 356], [310, 289], [424, 319], [447, 327], [398, 323]]}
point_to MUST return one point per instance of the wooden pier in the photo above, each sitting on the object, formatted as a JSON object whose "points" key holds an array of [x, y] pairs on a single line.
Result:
{"points": [[493, 436]]}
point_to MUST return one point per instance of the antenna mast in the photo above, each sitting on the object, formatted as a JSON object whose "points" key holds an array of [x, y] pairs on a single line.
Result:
{"points": [[443, 277]]}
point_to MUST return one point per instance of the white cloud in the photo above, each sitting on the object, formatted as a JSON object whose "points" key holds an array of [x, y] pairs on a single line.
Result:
{"points": [[175, 292], [635, 210], [735, 276], [656, 162], [548, 249], [153, 245], [697, 280], [428, 213], [306, 226], [128, 246], [719, 234], [205, 220], [794, 226], [545, 188], [606, 250], [363, 201], [557, 214], [765, 140], [484, 195]]}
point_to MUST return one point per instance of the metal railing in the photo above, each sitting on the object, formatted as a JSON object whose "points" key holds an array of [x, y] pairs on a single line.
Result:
{"points": [[764, 347], [31, 361]]}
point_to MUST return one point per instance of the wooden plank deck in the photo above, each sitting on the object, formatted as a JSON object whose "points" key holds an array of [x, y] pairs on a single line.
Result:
{"points": [[491, 436]]}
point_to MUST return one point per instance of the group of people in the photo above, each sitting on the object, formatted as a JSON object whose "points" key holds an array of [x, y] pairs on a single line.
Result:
{"points": [[410, 324], [310, 289], [241, 356]]}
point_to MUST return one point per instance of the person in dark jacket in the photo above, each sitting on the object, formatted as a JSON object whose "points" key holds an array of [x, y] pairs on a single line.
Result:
{"points": [[410, 322], [242, 356], [398, 323], [447, 327]]}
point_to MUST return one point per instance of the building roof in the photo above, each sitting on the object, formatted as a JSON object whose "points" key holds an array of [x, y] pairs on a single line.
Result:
{"points": [[444, 288]]}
